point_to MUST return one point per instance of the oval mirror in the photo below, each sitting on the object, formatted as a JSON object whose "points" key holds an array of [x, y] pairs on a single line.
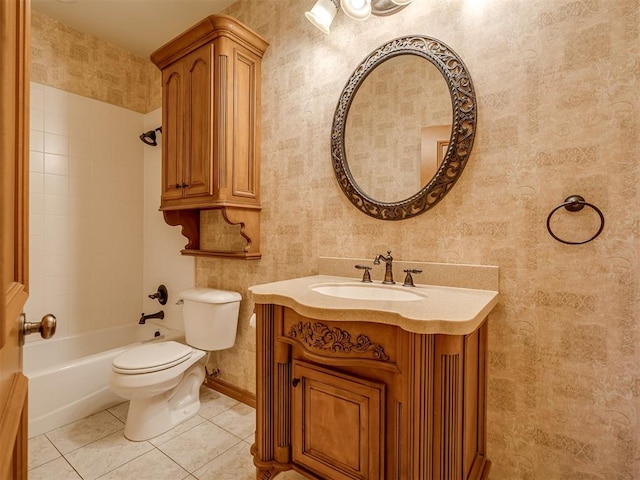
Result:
{"points": [[403, 128]]}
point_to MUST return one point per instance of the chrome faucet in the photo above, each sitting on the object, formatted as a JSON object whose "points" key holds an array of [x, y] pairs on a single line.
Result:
{"points": [[388, 273], [144, 317]]}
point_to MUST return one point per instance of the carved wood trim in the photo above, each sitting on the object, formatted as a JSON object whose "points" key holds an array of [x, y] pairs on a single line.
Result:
{"points": [[449, 417], [318, 335], [189, 220], [266, 379], [283, 428], [249, 221], [421, 395], [222, 121]]}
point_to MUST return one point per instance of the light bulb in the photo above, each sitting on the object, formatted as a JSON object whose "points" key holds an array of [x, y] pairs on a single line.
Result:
{"points": [[322, 14], [356, 9]]}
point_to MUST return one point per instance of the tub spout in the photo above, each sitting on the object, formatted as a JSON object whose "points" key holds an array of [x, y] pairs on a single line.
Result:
{"points": [[144, 317]]}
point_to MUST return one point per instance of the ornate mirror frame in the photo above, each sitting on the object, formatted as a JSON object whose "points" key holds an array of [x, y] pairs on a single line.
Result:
{"points": [[463, 127]]}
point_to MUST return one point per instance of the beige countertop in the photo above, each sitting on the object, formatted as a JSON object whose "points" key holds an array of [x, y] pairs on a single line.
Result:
{"points": [[438, 310]]}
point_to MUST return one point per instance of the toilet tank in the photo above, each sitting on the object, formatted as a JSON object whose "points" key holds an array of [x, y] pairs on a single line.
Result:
{"points": [[210, 318]]}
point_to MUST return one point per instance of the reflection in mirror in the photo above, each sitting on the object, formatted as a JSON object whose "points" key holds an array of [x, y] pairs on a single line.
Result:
{"points": [[398, 128], [403, 128]]}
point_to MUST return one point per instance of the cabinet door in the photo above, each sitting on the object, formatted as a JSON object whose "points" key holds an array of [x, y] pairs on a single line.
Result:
{"points": [[338, 424], [197, 176], [173, 130]]}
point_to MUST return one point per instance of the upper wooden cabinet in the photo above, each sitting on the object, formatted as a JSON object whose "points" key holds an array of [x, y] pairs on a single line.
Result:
{"points": [[211, 129]]}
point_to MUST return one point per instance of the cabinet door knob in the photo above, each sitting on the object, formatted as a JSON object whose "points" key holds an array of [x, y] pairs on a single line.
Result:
{"points": [[295, 382], [184, 185], [177, 185]]}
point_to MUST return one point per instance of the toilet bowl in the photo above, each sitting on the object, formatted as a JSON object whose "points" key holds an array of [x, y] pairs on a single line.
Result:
{"points": [[162, 380]]}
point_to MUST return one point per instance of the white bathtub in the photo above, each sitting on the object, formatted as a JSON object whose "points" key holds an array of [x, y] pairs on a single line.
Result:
{"points": [[69, 376]]}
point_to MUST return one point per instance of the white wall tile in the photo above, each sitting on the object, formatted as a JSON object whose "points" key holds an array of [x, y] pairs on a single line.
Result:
{"points": [[56, 204], [36, 161], [58, 144], [56, 184], [56, 123], [36, 203], [36, 182], [56, 101], [36, 141], [36, 96], [56, 164], [36, 119]]}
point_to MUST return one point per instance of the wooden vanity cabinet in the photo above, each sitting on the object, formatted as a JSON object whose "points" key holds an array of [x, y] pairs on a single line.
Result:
{"points": [[211, 129], [340, 400]]}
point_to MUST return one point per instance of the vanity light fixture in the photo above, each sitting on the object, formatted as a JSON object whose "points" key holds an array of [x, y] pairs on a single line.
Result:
{"points": [[324, 11]]}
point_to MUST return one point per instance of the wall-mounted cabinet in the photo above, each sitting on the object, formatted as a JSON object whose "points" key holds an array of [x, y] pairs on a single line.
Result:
{"points": [[211, 129]]}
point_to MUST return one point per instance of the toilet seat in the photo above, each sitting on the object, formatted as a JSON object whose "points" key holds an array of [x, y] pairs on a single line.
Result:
{"points": [[152, 357]]}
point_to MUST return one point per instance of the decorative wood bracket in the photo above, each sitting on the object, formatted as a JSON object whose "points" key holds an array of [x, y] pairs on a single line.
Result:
{"points": [[248, 219]]}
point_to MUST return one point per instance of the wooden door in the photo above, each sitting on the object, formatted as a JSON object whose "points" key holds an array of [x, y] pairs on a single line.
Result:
{"points": [[14, 127], [198, 122], [338, 424], [172, 131]]}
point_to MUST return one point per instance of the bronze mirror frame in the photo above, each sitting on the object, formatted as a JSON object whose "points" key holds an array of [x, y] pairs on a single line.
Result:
{"points": [[463, 127]]}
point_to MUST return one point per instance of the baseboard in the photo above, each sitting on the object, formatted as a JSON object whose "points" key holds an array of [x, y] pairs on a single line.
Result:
{"points": [[231, 390]]}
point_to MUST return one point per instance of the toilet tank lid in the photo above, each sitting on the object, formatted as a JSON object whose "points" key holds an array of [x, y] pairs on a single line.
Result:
{"points": [[210, 295]]}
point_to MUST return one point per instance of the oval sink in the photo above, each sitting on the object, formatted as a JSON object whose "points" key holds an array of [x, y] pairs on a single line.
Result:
{"points": [[367, 292]]}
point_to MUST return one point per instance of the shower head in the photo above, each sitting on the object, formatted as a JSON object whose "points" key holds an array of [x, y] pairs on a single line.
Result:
{"points": [[150, 137]]}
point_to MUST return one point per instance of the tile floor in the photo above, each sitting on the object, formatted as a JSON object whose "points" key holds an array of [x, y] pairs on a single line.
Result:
{"points": [[214, 445]]}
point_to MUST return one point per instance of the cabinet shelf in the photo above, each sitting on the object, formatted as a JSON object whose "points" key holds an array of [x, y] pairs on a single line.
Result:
{"points": [[189, 220]]}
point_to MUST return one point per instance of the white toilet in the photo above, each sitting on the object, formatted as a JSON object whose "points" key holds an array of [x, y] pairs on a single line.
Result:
{"points": [[162, 380]]}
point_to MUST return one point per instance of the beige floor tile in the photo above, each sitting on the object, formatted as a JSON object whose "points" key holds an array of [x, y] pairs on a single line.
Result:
{"points": [[239, 420], [177, 430], [234, 464], [57, 469], [120, 411], [106, 454], [213, 403], [82, 432], [41, 451], [198, 446], [153, 465]]}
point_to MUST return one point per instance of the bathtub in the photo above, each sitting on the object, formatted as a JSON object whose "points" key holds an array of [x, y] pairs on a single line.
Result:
{"points": [[69, 376]]}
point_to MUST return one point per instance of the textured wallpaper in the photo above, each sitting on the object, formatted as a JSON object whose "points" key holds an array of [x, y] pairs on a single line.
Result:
{"points": [[558, 96], [91, 67]]}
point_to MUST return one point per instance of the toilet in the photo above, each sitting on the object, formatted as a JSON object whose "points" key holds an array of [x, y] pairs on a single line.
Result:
{"points": [[162, 380]]}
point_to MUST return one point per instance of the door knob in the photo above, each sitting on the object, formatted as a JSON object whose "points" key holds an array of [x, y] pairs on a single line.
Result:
{"points": [[46, 327]]}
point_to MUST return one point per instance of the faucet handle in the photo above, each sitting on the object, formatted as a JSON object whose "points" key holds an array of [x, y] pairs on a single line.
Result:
{"points": [[366, 276], [408, 280]]}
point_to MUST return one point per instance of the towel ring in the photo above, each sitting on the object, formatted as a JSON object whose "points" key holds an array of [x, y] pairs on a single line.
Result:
{"points": [[575, 203]]}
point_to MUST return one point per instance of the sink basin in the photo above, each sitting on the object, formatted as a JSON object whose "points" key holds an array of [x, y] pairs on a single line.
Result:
{"points": [[367, 292]]}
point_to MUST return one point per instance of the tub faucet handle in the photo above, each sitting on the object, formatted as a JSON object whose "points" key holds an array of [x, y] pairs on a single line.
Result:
{"points": [[162, 295]]}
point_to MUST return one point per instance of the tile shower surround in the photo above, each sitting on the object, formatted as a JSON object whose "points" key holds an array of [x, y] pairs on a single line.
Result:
{"points": [[86, 212], [558, 96]]}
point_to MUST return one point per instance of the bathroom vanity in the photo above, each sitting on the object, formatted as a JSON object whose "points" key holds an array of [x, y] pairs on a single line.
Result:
{"points": [[365, 381]]}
